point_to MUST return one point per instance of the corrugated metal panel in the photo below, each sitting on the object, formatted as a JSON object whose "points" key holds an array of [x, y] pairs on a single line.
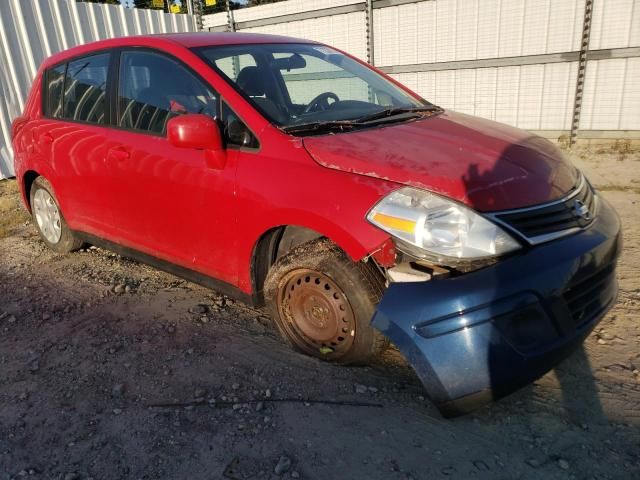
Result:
{"points": [[31, 31], [453, 30], [286, 8], [535, 97], [615, 24], [214, 20], [532, 96], [612, 95], [346, 32]]}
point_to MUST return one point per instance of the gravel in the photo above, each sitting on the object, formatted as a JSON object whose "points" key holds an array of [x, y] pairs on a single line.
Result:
{"points": [[81, 367], [283, 465], [118, 390], [360, 388]]}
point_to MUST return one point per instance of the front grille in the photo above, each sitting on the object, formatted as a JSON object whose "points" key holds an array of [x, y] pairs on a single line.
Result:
{"points": [[589, 297], [576, 210]]}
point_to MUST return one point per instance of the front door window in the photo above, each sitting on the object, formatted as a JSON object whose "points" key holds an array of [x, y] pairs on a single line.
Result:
{"points": [[154, 88]]}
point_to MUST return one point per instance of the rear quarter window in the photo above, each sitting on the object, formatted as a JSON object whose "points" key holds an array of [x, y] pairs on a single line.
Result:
{"points": [[53, 91]]}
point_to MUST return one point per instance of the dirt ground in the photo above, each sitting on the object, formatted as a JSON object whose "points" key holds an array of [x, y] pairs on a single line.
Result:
{"points": [[90, 342]]}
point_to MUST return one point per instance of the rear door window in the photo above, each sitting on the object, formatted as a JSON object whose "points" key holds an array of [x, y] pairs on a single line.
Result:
{"points": [[154, 88], [85, 86]]}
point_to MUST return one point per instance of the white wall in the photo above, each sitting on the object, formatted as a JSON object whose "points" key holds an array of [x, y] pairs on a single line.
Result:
{"points": [[612, 92], [535, 97], [32, 30]]}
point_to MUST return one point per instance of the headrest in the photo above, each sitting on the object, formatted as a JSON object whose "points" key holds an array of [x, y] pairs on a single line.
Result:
{"points": [[250, 82]]}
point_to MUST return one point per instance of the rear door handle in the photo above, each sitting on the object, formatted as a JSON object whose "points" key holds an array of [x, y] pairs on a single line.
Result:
{"points": [[46, 138], [118, 153]]}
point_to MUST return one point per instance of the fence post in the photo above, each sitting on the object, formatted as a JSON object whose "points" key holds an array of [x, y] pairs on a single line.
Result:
{"points": [[231, 24], [369, 30], [196, 10], [582, 69]]}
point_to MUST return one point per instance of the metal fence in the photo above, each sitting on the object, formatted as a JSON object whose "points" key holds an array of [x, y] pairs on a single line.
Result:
{"points": [[32, 30], [556, 67]]}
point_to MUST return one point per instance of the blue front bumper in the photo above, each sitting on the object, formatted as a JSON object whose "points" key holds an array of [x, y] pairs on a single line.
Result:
{"points": [[479, 336]]}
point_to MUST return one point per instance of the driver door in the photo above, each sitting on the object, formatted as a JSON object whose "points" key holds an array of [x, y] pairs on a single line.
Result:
{"points": [[165, 200]]}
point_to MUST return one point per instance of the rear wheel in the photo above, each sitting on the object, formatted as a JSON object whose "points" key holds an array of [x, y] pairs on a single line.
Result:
{"points": [[49, 220], [322, 303]]}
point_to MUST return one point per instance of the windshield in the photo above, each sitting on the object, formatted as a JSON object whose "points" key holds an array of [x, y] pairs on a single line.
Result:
{"points": [[297, 85]]}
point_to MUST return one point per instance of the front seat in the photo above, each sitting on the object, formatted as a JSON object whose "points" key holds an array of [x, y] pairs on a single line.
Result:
{"points": [[254, 84]]}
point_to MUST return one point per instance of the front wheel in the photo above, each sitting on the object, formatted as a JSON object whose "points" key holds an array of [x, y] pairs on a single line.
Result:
{"points": [[322, 303]]}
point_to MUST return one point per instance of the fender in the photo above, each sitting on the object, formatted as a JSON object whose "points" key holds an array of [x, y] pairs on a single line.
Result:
{"points": [[357, 242]]}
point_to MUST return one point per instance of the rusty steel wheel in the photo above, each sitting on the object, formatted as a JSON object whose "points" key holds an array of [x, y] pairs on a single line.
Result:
{"points": [[317, 313], [322, 303]]}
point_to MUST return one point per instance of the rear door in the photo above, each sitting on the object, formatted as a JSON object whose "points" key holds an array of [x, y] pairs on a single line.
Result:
{"points": [[74, 136], [165, 200]]}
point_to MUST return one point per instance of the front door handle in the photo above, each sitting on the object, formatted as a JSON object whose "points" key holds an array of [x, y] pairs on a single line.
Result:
{"points": [[46, 138], [118, 153]]}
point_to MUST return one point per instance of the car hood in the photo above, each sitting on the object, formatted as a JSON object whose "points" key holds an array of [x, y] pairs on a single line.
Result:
{"points": [[486, 165]]}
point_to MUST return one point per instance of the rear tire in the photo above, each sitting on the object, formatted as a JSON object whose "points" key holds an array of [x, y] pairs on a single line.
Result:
{"points": [[49, 220], [322, 303]]}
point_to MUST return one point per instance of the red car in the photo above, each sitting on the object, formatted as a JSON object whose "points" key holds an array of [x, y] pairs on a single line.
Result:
{"points": [[286, 172]]}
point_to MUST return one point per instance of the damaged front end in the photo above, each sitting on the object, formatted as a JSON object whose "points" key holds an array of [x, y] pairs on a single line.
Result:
{"points": [[475, 335]]}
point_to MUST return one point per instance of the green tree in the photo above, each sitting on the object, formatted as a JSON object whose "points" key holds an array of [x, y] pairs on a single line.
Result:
{"points": [[143, 3], [220, 6], [149, 4]]}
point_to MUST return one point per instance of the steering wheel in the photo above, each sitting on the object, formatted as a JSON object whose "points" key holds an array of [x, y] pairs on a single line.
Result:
{"points": [[321, 102]]}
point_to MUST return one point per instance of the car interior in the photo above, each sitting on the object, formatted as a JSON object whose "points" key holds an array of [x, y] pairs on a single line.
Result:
{"points": [[294, 84]]}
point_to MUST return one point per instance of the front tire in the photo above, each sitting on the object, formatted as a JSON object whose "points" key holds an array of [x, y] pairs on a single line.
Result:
{"points": [[49, 220], [322, 303]]}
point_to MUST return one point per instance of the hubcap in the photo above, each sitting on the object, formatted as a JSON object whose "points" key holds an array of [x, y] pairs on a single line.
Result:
{"points": [[316, 314], [47, 216]]}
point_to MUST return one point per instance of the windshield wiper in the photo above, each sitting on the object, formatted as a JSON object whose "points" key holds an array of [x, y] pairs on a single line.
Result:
{"points": [[329, 125], [393, 111], [392, 114]]}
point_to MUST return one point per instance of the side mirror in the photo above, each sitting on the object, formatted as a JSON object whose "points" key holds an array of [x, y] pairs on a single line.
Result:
{"points": [[200, 132], [194, 131]]}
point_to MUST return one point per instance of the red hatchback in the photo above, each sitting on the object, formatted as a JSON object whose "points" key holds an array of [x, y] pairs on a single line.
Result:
{"points": [[286, 172]]}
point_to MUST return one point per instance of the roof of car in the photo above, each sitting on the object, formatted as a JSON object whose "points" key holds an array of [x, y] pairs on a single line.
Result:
{"points": [[186, 40], [201, 39]]}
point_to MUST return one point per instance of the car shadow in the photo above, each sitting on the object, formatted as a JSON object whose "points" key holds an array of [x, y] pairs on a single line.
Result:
{"points": [[528, 171]]}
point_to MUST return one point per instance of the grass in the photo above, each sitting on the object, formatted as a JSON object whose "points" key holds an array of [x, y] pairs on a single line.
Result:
{"points": [[617, 188], [12, 213]]}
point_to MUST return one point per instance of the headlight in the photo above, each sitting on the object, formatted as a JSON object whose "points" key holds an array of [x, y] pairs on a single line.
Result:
{"points": [[438, 227]]}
